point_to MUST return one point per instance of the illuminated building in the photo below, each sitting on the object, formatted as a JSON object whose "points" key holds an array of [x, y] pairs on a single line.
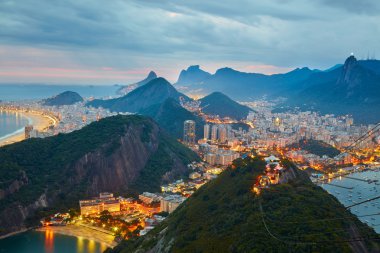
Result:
{"points": [[214, 132], [206, 132], [105, 202], [170, 203], [189, 132]]}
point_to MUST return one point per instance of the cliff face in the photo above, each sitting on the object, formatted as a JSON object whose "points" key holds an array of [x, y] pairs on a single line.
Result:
{"points": [[117, 162]]}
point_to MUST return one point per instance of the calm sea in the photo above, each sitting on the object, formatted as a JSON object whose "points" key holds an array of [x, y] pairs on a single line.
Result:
{"points": [[47, 242], [11, 123], [13, 92], [359, 191]]}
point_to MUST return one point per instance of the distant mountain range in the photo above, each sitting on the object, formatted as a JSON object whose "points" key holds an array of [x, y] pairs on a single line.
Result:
{"points": [[219, 104], [352, 88], [64, 98], [161, 101], [123, 154], [240, 85]]}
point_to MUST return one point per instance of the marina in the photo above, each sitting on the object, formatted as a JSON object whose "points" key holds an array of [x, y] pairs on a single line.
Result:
{"points": [[360, 193]]}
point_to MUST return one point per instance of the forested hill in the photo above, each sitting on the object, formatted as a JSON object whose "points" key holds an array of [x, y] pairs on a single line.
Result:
{"points": [[226, 216], [120, 154]]}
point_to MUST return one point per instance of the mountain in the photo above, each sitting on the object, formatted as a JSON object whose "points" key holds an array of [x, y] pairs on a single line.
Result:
{"points": [[241, 85], [120, 154], [154, 92], [192, 75], [219, 104], [170, 115], [64, 98], [226, 216], [128, 88], [351, 89]]}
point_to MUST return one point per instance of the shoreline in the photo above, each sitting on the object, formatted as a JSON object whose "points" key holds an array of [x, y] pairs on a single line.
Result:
{"points": [[14, 233], [40, 122], [81, 232]]}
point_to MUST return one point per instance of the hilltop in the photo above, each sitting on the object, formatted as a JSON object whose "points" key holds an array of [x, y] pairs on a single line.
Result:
{"points": [[64, 98], [128, 88], [120, 154], [226, 216], [218, 103], [152, 93]]}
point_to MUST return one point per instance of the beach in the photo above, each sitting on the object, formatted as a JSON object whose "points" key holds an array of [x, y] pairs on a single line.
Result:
{"points": [[81, 232], [40, 122]]}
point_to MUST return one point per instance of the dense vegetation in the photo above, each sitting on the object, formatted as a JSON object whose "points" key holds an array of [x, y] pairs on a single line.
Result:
{"points": [[49, 165], [64, 98], [316, 147], [219, 104], [225, 216], [170, 115]]}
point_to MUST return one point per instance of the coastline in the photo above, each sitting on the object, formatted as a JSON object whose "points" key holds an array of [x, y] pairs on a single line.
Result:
{"points": [[14, 233], [40, 122], [81, 232]]}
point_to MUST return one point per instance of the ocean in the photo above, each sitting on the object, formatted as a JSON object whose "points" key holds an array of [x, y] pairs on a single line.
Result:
{"points": [[11, 123], [48, 242], [14, 92]]}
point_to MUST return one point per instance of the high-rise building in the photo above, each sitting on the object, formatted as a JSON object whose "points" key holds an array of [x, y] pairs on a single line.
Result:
{"points": [[206, 132], [214, 132], [222, 133], [28, 131], [189, 132]]}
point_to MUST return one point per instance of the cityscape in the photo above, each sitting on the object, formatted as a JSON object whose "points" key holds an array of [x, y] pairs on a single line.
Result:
{"points": [[113, 141]]}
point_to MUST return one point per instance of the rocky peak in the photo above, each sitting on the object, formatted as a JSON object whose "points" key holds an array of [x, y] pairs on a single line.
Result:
{"points": [[348, 70]]}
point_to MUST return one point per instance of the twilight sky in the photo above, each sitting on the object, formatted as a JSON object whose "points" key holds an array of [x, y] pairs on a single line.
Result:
{"points": [[119, 41]]}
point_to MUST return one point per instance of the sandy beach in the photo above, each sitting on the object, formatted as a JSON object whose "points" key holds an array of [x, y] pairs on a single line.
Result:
{"points": [[39, 122], [81, 232]]}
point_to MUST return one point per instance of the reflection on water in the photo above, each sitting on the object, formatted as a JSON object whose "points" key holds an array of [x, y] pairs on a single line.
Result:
{"points": [[11, 122], [49, 242]]}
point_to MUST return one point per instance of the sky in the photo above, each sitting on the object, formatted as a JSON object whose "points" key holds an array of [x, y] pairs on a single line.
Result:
{"points": [[119, 41]]}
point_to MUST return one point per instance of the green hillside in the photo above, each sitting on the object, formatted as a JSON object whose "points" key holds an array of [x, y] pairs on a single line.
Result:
{"points": [[120, 154], [316, 147], [170, 115], [225, 216]]}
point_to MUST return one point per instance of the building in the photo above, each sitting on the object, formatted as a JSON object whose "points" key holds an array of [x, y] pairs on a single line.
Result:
{"points": [[170, 203], [206, 132], [214, 132], [222, 134], [149, 198], [189, 132], [105, 202], [28, 131]]}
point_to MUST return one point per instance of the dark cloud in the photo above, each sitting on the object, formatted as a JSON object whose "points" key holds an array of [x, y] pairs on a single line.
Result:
{"points": [[166, 33]]}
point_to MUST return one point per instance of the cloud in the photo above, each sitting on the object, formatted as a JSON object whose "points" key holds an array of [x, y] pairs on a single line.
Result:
{"points": [[167, 35]]}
